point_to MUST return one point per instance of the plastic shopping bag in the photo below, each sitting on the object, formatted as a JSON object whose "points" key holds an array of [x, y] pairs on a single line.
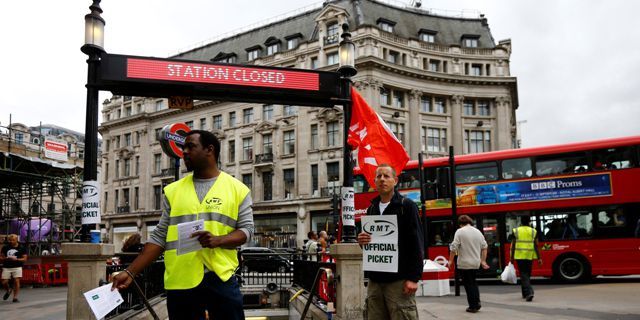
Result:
{"points": [[509, 274]]}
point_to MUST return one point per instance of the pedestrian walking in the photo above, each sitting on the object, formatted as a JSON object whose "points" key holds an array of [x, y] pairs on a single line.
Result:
{"points": [[524, 249], [392, 295], [471, 248], [13, 257], [203, 280]]}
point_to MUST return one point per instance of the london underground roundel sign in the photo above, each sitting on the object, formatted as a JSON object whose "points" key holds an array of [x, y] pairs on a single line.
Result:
{"points": [[172, 138]]}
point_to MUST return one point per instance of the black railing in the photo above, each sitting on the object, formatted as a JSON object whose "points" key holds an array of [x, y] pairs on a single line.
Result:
{"points": [[261, 267], [305, 273], [151, 281], [330, 191], [264, 158], [123, 209], [168, 172]]}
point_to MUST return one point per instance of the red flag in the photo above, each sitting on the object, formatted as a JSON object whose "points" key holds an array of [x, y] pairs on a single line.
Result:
{"points": [[375, 142]]}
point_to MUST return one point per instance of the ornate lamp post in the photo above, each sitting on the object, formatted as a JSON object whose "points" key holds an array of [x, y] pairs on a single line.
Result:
{"points": [[347, 70], [93, 47]]}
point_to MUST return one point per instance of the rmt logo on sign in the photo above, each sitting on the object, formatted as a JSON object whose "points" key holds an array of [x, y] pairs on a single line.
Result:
{"points": [[379, 227]]}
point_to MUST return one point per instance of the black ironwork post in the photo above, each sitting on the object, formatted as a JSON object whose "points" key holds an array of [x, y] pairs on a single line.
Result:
{"points": [[454, 214], [423, 206], [94, 28]]}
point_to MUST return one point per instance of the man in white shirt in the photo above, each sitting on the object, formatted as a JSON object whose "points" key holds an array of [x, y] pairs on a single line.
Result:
{"points": [[471, 248]]}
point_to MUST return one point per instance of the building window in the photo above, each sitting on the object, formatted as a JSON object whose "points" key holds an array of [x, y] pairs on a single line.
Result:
{"points": [[232, 119], [116, 200], [107, 145], [289, 110], [398, 130], [476, 70], [117, 170], [333, 134], [253, 54], [247, 179], [125, 195], [139, 108], [203, 123], [398, 99], [428, 37], [247, 116], [425, 104], [476, 141], [136, 198], [434, 65], [157, 163], [118, 141], [272, 49], [160, 105], [314, 137], [289, 142], [314, 63], [267, 112], [127, 111], [157, 197], [332, 58], [127, 139], [393, 57], [333, 31], [314, 178], [385, 99], [333, 171], [232, 151], [247, 149], [156, 134], [468, 108], [436, 139], [470, 42], [137, 165], [267, 185], [137, 138], [386, 26], [127, 167], [267, 143], [189, 124], [289, 183], [217, 122], [292, 43], [440, 106], [119, 114], [484, 108]]}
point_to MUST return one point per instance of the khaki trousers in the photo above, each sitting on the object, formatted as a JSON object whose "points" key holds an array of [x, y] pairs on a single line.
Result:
{"points": [[385, 301]]}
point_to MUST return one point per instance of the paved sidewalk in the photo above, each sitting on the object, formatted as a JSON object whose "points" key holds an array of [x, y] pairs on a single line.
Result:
{"points": [[603, 299]]}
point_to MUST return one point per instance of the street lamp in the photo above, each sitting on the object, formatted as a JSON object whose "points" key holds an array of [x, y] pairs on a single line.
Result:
{"points": [[347, 70], [93, 47]]}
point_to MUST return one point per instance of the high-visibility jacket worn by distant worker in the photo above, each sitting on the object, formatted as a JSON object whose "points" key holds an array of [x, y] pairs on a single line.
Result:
{"points": [[525, 243]]}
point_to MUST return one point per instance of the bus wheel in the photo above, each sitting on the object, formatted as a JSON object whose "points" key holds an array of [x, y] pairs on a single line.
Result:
{"points": [[572, 268]]}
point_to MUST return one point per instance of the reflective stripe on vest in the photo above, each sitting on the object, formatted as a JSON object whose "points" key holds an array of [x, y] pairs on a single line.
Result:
{"points": [[219, 210], [525, 242]]}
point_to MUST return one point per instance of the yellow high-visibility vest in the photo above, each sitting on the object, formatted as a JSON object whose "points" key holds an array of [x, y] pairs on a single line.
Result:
{"points": [[525, 243], [219, 209]]}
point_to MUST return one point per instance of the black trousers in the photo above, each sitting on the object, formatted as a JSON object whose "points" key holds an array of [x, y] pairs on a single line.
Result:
{"points": [[223, 300], [471, 287], [524, 266]]}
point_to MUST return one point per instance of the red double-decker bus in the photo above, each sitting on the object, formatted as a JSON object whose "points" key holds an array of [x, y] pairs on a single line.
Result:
{"points": [[583, 198]]}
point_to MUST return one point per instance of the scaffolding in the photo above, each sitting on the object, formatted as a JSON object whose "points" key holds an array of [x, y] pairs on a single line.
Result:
{"points": [[40, 199]]}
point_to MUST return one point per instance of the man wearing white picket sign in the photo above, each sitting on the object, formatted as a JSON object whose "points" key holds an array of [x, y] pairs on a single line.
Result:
{"points": [[391, 295]]}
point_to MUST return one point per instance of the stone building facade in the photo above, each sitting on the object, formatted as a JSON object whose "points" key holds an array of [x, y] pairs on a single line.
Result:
{"points": [[435, 80]]}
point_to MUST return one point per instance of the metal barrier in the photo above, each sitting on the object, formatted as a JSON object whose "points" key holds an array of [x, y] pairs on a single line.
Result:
{"points": [[151, 281]]}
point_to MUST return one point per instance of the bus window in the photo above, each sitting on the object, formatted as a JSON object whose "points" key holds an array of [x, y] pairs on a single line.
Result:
{"points": [[440, 233], [516, 168], [360, 184], [562, 164], [476, 172], [566, 226], [512, 221], [409, 179], [611, 218], [613, 158]]}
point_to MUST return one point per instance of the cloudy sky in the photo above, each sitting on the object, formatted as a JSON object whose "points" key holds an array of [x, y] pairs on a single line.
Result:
{"points": [[577, 61]]}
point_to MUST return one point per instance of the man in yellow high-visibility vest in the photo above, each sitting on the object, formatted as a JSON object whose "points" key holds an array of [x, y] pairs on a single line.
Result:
{"points": [[203, 279], [524, 249]]}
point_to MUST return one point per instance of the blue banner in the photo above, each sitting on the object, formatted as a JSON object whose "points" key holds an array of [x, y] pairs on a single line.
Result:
{"points": [[535, 190]]}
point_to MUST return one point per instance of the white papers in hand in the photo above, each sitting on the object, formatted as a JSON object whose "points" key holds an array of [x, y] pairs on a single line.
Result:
{"points": [[102, 300], [186, 243]]}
